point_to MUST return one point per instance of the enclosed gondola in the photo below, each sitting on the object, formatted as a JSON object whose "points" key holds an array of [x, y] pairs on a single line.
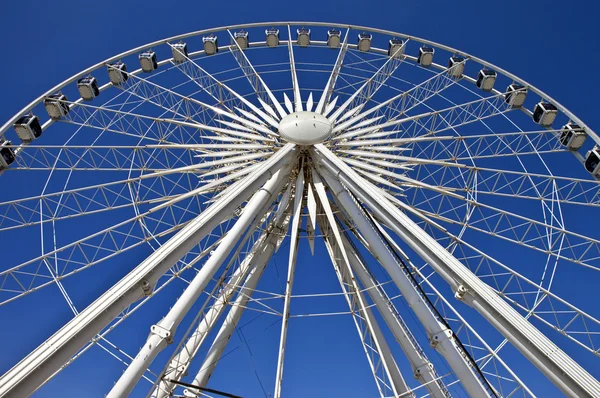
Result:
{"points": [[364, 42], [88, 88], [241, 38], [180, 52], [334, 38], [56, 106], [117, 73], [7, 154], [456, 66], [211, 44], [425, 57], [544, 114], [395, 48], [303, 39], [515, 95], [148, 61], [486, 79], [28, 128], [572, 136], [592, 162], [272, 37]]}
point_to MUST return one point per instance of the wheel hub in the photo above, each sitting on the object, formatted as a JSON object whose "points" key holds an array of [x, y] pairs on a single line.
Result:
{"points": [[305, 128]]}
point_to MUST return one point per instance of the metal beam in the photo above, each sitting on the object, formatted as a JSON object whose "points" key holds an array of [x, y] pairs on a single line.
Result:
{"points": [[161, 334], [180, 363], [440, 335], [423, 369], [554, 363], [33, 371], [371, 335], [295, 230], [335, 72], [237, 308]]}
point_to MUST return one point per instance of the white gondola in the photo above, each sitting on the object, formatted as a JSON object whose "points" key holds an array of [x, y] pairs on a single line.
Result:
{"points": [[148, 61], [544, 114], [364, 42], [334, 38], [395, 48], [88, 88], [117, 73], [211, 44], [486, 79], [425, 57], [241, 38], [180, 52], [7, 154], [303, 39], [55, 106], [592, 162], [272, 37], [28, 128], [515, 95], [572, 136], [456, 66]]}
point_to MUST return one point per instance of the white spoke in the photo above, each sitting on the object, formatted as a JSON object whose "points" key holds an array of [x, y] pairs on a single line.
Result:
{"points": [[295, 230], [260, 88]]}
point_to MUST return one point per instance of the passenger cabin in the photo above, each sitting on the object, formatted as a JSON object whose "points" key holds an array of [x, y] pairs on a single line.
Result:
{"points": [[7, 154], [572, 136], [592, 162], [241, 39], [180, 52], [55, 106], [544, 114], [148, 61], [486, 79], [211, 44], [395, 48], [425, 57], [28, 128], [272, 37], [88, 88], [364, 42], [456, 66], [515, 95], [334, 38], [303, 39], [117, 73]]}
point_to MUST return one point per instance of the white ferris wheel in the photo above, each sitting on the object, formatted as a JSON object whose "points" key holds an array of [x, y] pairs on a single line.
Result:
{"points": [[442, 211]]}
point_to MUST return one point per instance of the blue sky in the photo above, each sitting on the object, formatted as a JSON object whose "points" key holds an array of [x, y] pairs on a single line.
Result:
{"points": [[551, 44]]}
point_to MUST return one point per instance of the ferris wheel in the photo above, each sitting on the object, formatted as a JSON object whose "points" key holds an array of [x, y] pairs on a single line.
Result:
{"points": [[235, 191]]}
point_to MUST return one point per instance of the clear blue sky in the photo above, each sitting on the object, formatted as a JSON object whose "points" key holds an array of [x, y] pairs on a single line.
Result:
{"points": [[551, 44]]}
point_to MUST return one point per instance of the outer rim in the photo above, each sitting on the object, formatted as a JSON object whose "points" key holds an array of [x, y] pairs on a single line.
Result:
{"points": [[87, 71]]}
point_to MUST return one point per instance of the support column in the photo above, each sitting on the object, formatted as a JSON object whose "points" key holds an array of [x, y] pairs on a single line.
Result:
{"points": [[397, 385], [554, 363], [47, 359], [295, 230], [178, 366], [441, 337], [162, 333], [423, 369]]}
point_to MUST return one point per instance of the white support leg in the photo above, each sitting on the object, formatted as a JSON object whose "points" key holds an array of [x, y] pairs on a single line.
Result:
{"points": [[297, 218], [179, 365], [392, 380], [29, 374], [423, 369], [235, 313], [554, 363], [441, 337], [162, 333]]}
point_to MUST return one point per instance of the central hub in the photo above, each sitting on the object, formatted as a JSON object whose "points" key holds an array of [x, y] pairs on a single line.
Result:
{"points": [[305, 128]]}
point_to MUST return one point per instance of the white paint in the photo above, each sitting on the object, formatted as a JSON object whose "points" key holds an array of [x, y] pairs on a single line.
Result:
{"points": [[305, 128]]}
